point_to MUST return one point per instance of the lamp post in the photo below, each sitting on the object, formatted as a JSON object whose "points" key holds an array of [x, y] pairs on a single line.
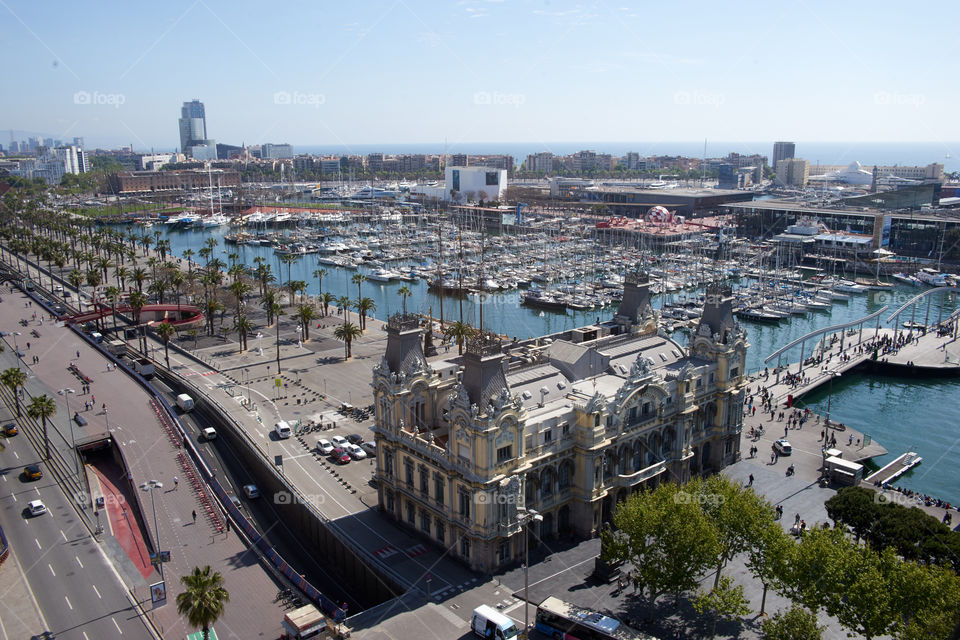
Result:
{"points": [[16, 348], [246, 371], [151, 485], [833, 374], [525, 517], [73, 440]]}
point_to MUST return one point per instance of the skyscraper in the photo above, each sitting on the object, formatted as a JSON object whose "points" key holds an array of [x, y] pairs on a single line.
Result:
{"points": [[782, 151], [193, 132]]}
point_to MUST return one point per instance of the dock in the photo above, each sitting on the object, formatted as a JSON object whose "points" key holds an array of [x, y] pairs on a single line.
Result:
{"points": [[895, 469]]}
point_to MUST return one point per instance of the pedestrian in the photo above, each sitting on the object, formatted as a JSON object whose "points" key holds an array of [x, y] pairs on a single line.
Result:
{"points": [[28, 346], [104, 407], [619, 585], [227, 524], [93, 399], [796, 519], [78, 354], [772, 458], [176, 483], [194, 514], [750, 484]]}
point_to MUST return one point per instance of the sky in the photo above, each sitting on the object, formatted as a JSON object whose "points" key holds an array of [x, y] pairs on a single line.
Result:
{"points": [[402, 71]]}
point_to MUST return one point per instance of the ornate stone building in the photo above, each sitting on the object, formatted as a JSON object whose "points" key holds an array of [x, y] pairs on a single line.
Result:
{"points": [[566, 425]]}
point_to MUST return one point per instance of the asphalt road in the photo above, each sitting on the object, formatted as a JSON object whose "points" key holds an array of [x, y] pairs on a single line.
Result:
{"points": [[78, 592]]}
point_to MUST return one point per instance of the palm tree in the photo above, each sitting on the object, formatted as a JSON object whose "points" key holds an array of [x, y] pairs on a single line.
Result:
{"points": [[121, 273], [327, 299], [210, 310], [289, 259], [460, 331], [188, 254], [75, 278], [365, 305], [269, 302], [347, 332], [14, 378], [405, 293], [358, 279], [158, 288], [138, 300], [165, 331], [306, 314], [344, 303], [204, 599], [113, 295], [43, 407], [176, 280], [139, 274], [319, 274], [243, 327], [278, 311]]}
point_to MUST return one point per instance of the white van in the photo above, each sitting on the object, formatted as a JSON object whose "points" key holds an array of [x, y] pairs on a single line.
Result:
{"points": [[185, 402], [283, 429], [209, 433], [487, 622]]}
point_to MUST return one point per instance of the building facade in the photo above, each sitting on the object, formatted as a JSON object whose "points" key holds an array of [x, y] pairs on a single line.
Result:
{"points": [[783, 151], [566, 425], [153, 181], [792, 172]]}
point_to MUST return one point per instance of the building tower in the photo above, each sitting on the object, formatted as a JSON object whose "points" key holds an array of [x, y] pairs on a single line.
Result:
{"points": [[782, 151], [193, 131]]}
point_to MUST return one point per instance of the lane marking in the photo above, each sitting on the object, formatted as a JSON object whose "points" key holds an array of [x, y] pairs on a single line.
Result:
{"points": [[38, 544], [96, 591], [85, 636], [16, 455], [561, 571], [78, 561], [64, 536], [49, 566], [119, 630], [68, 602]]}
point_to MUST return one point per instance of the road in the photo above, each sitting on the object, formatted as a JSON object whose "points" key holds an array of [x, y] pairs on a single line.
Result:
{"points": [[78, 592]]}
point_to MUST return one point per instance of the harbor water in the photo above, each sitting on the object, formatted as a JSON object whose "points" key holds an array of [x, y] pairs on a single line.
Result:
{"points": [[902, 414]]}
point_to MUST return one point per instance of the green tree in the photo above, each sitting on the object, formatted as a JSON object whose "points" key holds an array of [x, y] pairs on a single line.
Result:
{"points": [[797, 623], [113, 295], [725, 602], [358, 279], [204, 599], [460, 332], [243, 327], [365, 306], [43, 407], [14, 378], [327, 299], [305, 315], [404, 293], [319, 274], [165, 331], [768, 558], [667, 538], [347, 333], [344, 303]]}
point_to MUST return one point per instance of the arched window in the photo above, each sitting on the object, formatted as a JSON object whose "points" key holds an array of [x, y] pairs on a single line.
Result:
{"points": [[564, 473]]}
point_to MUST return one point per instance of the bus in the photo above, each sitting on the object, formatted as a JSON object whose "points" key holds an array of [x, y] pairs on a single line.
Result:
{"points": [[560, 620]]}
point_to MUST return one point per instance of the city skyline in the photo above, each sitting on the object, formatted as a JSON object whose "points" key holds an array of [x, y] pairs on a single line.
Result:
{"points": [[478, 72]]}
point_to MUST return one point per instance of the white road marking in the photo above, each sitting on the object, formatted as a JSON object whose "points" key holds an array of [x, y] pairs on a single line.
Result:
{"points": [[49, 566], [14, 496], [85, 636], [119, 630], [16, 455], [96, 591], [38, 544], [68, 602], [573, 566], [78, 561], [37, 490], [64, 536]]}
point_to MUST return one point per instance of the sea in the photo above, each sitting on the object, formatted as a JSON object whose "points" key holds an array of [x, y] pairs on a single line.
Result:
{"points": [[825, 153], [902, 414]]}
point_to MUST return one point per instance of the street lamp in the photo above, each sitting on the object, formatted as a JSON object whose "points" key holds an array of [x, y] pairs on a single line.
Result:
{"points": [[16, 348], [66, 394], [151, 485], [246, 370], [259, 344], [833, 374], [525, 517]]}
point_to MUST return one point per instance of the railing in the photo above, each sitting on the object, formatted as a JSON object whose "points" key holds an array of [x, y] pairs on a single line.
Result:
{"points": [[628, 480]]}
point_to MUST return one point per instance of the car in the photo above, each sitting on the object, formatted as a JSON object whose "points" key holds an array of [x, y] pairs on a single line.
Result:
{"points": [[339, 441], [10, 429], [370, 448], [251, 491], [782, 446], [32, 472], [236, 501], [324, 446], [59, 309], [36, 508], [209, 433], [355, 452], [355, 438], [340, 455]]}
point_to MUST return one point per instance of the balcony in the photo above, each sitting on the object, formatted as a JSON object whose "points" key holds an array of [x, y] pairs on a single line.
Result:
{"points": [[632, 479]]}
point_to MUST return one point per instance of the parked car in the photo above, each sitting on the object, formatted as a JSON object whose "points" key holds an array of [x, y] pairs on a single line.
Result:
{"points": [[251, 491], [340, 455], [370, 447], [324, 446], [36, 508], [355, 452], [355, 438], [10, 429], [782, 446], [236, 502], [339, 441], [32, 472]]}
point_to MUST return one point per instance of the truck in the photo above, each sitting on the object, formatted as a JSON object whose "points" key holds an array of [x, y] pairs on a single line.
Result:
{"points": [[185, 402], [144, 366], [305, 622], [116, 347]]}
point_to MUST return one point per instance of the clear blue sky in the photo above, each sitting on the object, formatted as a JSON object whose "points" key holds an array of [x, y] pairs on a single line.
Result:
{"points": [[482, 70]]}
